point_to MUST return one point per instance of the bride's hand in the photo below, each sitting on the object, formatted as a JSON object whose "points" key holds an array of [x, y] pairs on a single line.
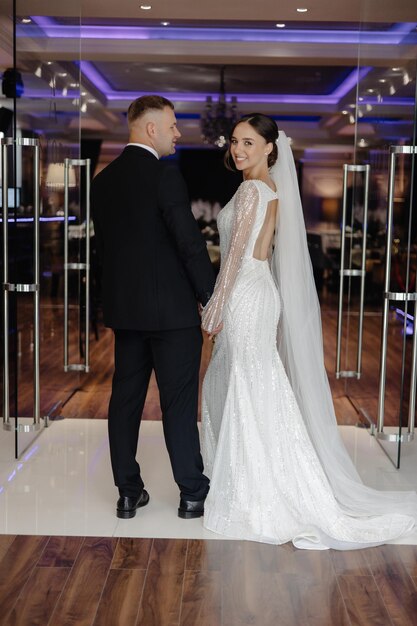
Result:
{"points": [[215, 332]]}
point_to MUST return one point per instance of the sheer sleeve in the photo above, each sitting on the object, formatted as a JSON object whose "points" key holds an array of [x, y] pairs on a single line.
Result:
{"points": [[246, 203]]}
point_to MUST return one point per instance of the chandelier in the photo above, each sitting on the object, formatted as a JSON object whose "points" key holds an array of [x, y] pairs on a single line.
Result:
{"points": [[219, 118]]}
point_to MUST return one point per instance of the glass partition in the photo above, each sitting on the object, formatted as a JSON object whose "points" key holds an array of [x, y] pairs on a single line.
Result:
{"points": [[383, 118], [44, 102]]}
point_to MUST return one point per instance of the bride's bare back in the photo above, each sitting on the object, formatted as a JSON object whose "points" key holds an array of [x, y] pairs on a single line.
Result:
{"points": [[262, 248]]}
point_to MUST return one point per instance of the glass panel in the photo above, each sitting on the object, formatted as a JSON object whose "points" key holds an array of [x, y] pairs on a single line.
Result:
{"points": [[48, 109], [382, 116]]}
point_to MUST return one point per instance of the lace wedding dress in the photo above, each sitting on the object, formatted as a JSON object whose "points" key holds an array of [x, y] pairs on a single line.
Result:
{"points": [[267, 481]]}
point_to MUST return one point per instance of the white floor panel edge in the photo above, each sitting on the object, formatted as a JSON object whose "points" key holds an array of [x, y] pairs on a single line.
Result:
{"points": [[63, 484]]}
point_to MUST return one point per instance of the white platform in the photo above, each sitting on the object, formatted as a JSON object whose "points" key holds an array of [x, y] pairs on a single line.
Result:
{"points": [[63, 484]]}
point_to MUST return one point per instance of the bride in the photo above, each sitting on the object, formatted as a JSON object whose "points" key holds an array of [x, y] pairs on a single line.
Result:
{"points": [[279, 470]]}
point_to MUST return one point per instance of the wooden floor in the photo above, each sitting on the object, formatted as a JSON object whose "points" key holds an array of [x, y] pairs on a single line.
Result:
{"points": [[65, 581]]}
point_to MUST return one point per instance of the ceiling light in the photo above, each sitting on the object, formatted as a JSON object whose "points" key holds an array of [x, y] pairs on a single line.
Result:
{"points": [[91, 100], [280, 25], [165, 23], [382, 80], [157, 70], [351, 119], [64, 91], [49, 63], [73, 85], [38, 71], [302, 10], [370, 90], [392, 90], [360, 99], [395, 69], [83, 93], [344, 112], [146, 7], [83, 108], [26, 20], [62, 74]]}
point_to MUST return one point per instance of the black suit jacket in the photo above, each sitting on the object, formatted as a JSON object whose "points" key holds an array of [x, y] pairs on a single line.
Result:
{"points": [[154, 258]]}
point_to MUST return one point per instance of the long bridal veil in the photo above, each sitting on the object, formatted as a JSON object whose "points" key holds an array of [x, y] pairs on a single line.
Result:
{"points": [[300, 346]]}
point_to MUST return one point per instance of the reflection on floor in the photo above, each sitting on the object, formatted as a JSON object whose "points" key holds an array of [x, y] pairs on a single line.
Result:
{"points": [[87, 395], [62, 485]]}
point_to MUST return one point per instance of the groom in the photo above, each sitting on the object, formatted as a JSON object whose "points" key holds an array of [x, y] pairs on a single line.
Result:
{"points": [[156, 270]]}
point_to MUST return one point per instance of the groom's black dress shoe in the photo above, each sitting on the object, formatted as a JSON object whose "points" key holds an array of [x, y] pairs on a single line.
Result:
{"points": [[189, 509], [126, 506]]}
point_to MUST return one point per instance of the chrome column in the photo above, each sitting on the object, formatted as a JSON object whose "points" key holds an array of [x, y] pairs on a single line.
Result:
{"points": [[22, 287], [390, 296], [85, 267], [350, 272]]}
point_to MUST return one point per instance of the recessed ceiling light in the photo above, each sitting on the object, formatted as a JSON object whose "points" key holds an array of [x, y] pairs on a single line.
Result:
{"points": [[62, 74], [165, 23], [146, 7], [280, 25], [395, 69], [382, 80], [370, 90], [344, 112], [26, 20], [92, 100], [73, 85], [302, 10], [360, 99], [49, 63], [83, 93]]}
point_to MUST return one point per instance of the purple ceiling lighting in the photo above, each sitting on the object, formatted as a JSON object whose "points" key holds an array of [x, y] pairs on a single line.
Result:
{"points": [[350, 82], [347, 85], [53, 29], [97, 79]]}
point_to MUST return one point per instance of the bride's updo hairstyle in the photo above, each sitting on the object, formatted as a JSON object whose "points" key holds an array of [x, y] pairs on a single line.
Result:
{"points": [[265, 127]]}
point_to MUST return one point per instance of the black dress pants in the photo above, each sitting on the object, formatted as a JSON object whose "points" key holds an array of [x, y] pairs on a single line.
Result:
{"points": [[175, 356]]}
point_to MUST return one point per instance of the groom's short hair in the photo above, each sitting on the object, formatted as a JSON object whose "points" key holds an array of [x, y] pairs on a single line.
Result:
{"points": [[142, 105]]}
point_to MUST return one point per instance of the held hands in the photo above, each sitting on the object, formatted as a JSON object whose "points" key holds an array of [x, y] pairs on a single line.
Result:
{"points": [[204, 313], [212, 335]]}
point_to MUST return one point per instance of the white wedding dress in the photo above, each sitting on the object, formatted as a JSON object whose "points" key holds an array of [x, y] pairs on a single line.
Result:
{"points": [[267, 481]]}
